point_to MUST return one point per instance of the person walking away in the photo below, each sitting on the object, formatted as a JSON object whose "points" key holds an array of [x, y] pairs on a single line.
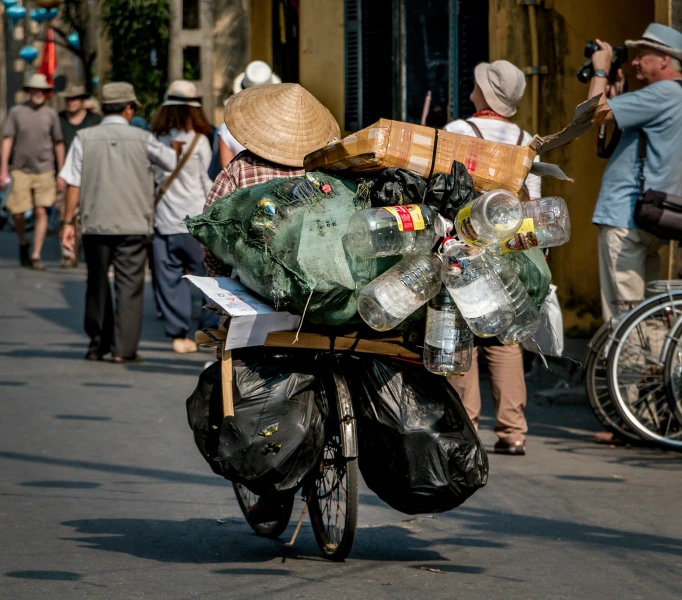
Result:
{"points": [[498, 87], [109, 176], [278, 125], [182, 193], [628, 256], [33, 143], [74, 118], [225, 146]]}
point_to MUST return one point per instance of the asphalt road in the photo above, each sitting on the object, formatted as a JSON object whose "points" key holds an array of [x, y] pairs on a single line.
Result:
{"points": [[103, 494]]}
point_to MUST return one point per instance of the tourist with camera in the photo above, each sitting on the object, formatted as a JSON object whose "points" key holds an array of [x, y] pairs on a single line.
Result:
{"points": [[628, 254]]}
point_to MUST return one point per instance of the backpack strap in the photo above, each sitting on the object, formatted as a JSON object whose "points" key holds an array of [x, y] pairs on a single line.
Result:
{"points": [[473, 126], [521, 135]]}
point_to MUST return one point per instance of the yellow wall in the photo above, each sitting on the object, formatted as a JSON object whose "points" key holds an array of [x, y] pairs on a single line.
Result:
{"points": [[322, 53], [563, 32], [260, 30]]}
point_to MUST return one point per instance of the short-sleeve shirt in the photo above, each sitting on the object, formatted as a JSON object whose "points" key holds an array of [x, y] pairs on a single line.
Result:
{"points": [[35, 132], [503, 132], [657, 109], [69, 130]]}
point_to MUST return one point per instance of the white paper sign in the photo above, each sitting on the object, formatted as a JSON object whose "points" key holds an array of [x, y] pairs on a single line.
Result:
{"points": [[251, 319]]}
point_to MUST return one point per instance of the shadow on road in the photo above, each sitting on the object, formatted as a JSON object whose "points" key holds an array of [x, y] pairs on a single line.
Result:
{"points": [[45, 575]]}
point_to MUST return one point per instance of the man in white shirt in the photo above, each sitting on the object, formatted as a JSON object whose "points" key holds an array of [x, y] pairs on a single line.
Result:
{"points": [[498, 88], [108, 172]]}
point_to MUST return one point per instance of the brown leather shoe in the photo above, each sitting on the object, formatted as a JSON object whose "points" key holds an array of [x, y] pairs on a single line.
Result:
{"points": [[608, 438]]}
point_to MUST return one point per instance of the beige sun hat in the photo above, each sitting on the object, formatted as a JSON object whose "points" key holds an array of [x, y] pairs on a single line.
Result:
{"points": [[74, 91], [256, 73], [182, 93], [280, 123], [662, 38], [119, 92], [502, 85], [37, 81]]}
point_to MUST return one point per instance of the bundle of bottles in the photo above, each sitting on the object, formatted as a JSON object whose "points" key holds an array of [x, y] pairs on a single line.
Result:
{"points": [[471, 290]]}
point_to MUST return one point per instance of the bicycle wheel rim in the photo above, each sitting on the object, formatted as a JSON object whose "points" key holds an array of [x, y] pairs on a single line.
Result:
{"points": [[672, 370], [647, 411], [246, 499], [596, 385]]}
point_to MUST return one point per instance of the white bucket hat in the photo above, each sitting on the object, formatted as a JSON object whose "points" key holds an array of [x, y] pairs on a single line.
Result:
{"points": [[502, 85], [182, 93], [256, 73]]}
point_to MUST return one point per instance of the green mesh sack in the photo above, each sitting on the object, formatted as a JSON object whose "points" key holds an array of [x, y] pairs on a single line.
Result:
{"points": [[284, 238], [531, 268]]}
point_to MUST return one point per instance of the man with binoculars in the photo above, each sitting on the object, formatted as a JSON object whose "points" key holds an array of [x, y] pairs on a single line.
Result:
{"points": [[628, 256]]}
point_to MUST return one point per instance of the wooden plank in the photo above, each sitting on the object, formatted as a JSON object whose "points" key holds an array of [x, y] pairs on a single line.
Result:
{"points": [[226, 376]]}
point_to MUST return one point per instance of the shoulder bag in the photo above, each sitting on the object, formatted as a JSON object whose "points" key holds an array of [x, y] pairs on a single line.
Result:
{"points": [[656, 212], [165, 186]]}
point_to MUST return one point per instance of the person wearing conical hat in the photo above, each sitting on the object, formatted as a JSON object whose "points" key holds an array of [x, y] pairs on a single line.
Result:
{"points": [[278, 125]]}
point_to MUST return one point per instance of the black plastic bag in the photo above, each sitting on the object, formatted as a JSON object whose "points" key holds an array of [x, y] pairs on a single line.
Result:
{"points": [[395, 187], [447, 193], [277, 433], [419, 451]]}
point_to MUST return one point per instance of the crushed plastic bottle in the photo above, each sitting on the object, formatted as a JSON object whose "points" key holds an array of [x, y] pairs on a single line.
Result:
{"points": [[526, 315], [396, 294], [489, 219], [448, 343], [395, 230], [478, 292], [545, 224]]}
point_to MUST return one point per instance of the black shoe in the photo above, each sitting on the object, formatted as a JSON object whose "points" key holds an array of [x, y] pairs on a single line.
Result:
{"points": [[25, 255], [517, 448], [120, 360], [93, 355]]}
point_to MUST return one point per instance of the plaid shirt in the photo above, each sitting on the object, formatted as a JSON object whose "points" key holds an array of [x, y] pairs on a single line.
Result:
{"points": [[245, 170]]}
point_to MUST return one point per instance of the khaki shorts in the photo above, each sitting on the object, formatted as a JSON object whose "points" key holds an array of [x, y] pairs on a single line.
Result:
{"points": [[30, 190]]}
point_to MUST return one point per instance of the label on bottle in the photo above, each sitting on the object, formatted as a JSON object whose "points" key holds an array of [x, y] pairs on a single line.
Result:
{"points": [[408, 217], [466, 228], [524, 239]]}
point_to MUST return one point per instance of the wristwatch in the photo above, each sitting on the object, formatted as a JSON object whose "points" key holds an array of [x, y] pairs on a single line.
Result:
{"points": [[68, 222], [600, 73]]}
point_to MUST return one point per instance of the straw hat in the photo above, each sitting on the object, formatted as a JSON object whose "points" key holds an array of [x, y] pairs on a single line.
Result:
{"points": [[502, 85], [37, 81], [75, 91], [256, 73], [280, 123], [182, 93]]}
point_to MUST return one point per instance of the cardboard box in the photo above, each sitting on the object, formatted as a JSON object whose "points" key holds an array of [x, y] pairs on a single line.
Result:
{"points": [[427, 151]]}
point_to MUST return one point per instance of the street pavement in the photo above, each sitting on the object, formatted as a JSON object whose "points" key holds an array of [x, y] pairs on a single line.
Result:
{"points": [[103, 494]]}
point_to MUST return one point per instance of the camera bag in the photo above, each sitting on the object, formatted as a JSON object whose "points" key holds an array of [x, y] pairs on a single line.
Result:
{"points": [[657, 212]]}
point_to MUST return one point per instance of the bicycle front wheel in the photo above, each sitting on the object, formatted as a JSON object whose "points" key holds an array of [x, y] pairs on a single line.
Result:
{"points": [[635, 370], [246, 499], [333, 489]]}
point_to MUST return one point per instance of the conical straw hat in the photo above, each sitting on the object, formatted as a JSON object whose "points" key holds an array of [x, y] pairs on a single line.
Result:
{"points": [[280, 123]]}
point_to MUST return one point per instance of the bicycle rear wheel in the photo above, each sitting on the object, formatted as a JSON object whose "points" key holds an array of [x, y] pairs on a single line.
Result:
{"points": [[597, 388], [672, 371], [332, 490], [274, 529], [635, 370]]}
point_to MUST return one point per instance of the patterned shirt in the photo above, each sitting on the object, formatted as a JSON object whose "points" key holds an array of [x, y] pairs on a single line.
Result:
{"points": [[245, 170]]}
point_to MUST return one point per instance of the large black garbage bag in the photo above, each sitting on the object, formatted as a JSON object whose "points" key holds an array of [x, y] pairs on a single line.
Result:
{"points": [[395, 187], [277, 433], [447, 193], [419, 451]]}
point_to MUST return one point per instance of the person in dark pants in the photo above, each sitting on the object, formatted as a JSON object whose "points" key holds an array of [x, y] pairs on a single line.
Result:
{"points": [[108, 172], [181, 193]]}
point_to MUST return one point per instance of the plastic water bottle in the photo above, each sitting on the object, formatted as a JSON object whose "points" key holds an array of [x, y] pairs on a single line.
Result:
{"points": [[526, 315], [545, 224], [448, 343], [489, 219], [396, 294], [478, 292], [395, 230]]}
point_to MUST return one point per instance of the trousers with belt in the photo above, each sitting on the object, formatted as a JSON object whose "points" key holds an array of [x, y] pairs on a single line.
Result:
{"points": [[115, 329]]}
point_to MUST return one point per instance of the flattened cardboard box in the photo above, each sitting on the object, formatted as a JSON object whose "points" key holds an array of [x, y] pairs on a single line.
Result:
{"points": [[427, 151]]}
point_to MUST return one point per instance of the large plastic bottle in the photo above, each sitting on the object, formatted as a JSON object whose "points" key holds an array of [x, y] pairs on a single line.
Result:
{"points": [[489, 219], [396, 294], [478, 292], [526, 315], [395, 230], [448, 343], [545, 224]]}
